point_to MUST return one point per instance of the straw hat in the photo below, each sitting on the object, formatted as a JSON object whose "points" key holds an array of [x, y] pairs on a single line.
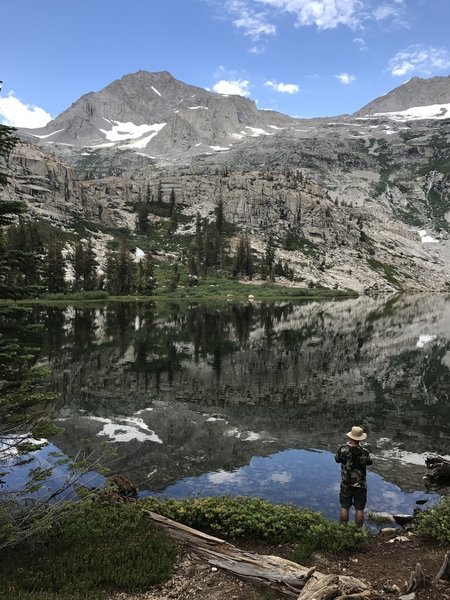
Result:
{"points": [[356, 434]]}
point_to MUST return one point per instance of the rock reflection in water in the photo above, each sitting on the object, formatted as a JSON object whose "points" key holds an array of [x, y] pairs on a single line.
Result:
{"points": [[201, 388]]}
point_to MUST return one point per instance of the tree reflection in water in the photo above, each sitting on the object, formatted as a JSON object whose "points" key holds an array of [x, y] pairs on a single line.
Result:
{"points": [[220, 384]]}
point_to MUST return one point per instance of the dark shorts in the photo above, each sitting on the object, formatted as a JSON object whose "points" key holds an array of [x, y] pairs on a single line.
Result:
{"points": [[355, 496]]}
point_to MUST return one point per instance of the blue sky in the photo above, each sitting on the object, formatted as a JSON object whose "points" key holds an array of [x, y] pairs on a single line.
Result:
{"points": [[302, 57]]}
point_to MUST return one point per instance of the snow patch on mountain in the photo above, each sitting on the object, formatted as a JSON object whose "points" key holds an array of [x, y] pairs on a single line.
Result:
{"points": [[142, 143], [424, 339], [43, 137], [121, 132], [256, 131], [433, 111], [427, 239]]}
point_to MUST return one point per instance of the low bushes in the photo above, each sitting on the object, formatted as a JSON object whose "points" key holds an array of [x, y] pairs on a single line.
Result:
{"points": [[435, 521], [94, 549], [258, 520], [92, 295]]}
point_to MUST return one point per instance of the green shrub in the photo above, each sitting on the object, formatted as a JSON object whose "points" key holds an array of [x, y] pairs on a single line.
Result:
{"points": [[258, 520], [95, 548], [329, 537], [92, 295], [435, 522]]}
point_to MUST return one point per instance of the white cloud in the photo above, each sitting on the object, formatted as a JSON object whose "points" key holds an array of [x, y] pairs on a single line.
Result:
{"points": [[283, 88], [237, 87], [419, 60], [395, 10], [253, 23], [359, 41], [256, 50], [283, 477], [16, 113], [345, 78], [324, 14]]}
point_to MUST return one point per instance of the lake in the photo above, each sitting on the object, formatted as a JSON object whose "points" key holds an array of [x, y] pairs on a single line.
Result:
{"points": [[254, 399]]}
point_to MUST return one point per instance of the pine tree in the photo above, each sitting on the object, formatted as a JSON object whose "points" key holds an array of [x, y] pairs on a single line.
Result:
{"points": [[172, 202], [249, 265], [148, 194], [173, 223], [159, 195], [174, 278], [25, 254], [11, 285], [142, 224], [219, 217], [200, 245], [149, 281], [90, 267], [124, 273], [239, 258], [54, 267], [269, 258], [78, 266], [84, 264], [111, 273], [7, 142], [211, 248], [192, 266]]}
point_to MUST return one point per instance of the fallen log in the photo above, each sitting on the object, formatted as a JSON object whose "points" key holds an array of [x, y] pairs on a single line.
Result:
{"points": [[275, 572]]}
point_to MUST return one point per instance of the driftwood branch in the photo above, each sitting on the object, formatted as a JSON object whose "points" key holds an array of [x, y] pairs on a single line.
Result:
{"points": [[278, 573], [334, 587], [444, 571], [417, 580]]}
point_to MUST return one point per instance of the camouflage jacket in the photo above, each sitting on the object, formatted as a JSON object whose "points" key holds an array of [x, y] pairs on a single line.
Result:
{"points": [[353, 465]]}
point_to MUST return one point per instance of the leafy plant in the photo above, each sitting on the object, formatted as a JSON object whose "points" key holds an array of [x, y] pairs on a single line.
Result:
{"points": [[435, 522], [256, 519], [94, 549]]}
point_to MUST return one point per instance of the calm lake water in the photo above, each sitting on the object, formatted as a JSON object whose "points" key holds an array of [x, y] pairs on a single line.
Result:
{"points": [[254, 399]]}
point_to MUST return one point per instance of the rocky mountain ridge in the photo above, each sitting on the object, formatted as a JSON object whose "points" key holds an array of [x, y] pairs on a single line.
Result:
{"points": [[370, 194], [155, 113], [415, 92]]}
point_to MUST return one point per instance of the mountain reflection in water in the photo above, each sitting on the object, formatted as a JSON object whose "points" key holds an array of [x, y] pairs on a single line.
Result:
{"points": [[185, 392]]}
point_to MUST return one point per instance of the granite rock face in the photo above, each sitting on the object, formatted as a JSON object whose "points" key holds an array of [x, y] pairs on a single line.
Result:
{"points": [[156, 113], [361, 246], [369, 197]]}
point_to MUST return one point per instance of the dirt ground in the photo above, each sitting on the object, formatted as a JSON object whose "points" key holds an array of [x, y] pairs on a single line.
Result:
{"points": [[381, 563]]}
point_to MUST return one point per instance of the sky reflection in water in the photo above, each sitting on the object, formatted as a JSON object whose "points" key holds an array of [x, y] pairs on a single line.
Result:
{"points": [[301, 477]]}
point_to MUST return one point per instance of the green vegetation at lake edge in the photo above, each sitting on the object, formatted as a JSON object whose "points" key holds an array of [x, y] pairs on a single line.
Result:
{"points": [[91, 550], [97, 548], [208, 288], [435, 522], [258, 520]]}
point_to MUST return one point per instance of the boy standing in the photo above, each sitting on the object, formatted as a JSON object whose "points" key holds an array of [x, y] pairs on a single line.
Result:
{"points": [[354, 459]]}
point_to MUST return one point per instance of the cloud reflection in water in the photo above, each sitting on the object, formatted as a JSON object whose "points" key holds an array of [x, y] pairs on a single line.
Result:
{"points": [[301, 477]]}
